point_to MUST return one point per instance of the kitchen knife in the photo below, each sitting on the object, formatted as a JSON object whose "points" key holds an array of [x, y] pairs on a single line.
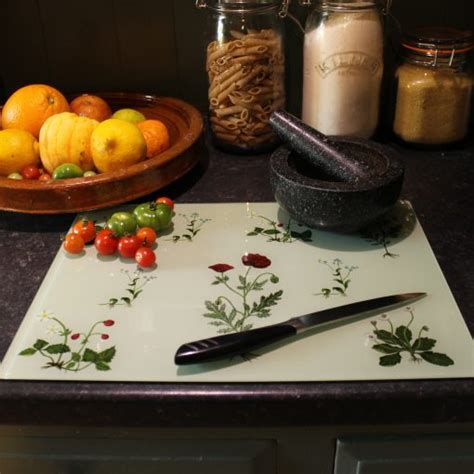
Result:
{"points": [[237, 343]]}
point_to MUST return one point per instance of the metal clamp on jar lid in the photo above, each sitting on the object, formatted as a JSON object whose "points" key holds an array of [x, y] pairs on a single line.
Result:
{"points": [[440, 44], [245, 5]]}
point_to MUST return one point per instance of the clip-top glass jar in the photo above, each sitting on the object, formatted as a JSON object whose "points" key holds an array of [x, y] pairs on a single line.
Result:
{"points": [[433, 86], [343, 66], [245, 64]]}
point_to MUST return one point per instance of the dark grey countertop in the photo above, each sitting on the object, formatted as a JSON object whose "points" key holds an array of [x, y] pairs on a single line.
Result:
{"points": [[439, 184]]}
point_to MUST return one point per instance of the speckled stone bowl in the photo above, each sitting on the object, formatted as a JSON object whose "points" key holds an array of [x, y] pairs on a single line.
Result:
{"points": [[313, 198]]}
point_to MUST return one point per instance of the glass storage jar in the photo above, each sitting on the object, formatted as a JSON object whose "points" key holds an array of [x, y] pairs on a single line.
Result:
{"points": [[245, 64], [343, 66], [433, 86]]}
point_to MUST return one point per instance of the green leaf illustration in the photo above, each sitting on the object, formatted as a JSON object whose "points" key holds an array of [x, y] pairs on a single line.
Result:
{"points": [[404, 334], [57, 349], [40, 344], [107, 355], [99, 365], [386, 336], [386, 348], [424, 344], [89, 355], [28, 352], [390, 360], [274, 279], [75, 356], [437, 358]]}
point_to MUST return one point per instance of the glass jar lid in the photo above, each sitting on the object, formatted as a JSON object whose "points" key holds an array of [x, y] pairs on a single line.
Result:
{"points": [[438, 41], [345, 4], [242, 6]]}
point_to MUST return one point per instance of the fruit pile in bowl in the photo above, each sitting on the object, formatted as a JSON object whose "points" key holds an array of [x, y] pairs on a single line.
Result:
{"points": [[45, 137]]}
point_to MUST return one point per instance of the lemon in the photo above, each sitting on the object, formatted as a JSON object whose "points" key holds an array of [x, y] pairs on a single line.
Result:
{"points": [[117, 144], [18, 148], [129, 115]]}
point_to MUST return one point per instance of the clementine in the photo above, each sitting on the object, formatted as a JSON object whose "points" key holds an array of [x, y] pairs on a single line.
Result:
{"points": [[156, 136], [91, 106], [30, 106]]}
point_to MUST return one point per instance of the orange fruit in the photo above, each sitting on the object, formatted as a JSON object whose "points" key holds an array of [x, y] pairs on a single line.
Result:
{"points": [[91, 106], [156, 136], [30, 106]]}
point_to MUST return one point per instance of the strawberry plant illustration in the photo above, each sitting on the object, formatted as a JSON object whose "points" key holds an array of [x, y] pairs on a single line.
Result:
{"points": [[395, 341], [279, 232], [72, 352], [194, 224], [340, 277], [234, 311], [136, 283]]}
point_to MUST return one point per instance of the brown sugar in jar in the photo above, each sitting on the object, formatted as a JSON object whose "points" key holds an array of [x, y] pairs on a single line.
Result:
{"points": [[434, 87]]}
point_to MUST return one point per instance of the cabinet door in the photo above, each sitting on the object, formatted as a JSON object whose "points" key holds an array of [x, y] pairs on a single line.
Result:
{"points": [[433, 455], [147, 456]]}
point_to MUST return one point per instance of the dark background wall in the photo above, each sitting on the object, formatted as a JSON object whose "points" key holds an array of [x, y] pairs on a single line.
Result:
{"points": [[153, 46]]}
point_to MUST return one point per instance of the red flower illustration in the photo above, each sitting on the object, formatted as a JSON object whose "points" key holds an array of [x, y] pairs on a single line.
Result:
{"points": [[104, 336], [109, 322], [256, 260], [75, 336], [221, 267]]}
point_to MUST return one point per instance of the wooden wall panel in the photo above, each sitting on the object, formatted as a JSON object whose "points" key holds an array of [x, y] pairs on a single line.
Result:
{"points": [[81, 43], [155, 46], [146, 46], [24, 59], [191, 28]]}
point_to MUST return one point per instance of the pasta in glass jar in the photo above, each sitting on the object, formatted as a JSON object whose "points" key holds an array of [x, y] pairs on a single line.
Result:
{"points": [[245, 65]]}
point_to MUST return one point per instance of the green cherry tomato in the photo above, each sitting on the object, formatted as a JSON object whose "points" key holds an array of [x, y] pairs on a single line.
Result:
{"points": [[122, 223], [67, 171], [88, 174], [146, 216], [165, 214]]}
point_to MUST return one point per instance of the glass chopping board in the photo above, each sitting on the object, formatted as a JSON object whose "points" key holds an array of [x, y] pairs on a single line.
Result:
{"points": [[224, 268]]}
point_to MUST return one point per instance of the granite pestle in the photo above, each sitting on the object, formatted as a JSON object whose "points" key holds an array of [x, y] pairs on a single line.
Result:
{"points": [[318, 149]]}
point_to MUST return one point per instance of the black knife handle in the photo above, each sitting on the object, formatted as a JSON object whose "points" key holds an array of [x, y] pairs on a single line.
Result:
{"points": [[231, 344]]}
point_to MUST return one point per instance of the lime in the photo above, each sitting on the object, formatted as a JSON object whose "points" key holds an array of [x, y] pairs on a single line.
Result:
{"points": [[129, 115]]}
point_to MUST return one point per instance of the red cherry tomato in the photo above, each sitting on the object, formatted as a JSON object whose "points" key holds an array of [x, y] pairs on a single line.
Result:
{"points": [[73, 243], [30, 172], [147, 236], [45, 177], [128, 245], [166, 200], [105, 242], [86, 229], [145, 257]]}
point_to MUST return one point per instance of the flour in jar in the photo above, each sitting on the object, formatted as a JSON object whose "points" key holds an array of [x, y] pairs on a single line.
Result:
{"points": [[343, 67]]}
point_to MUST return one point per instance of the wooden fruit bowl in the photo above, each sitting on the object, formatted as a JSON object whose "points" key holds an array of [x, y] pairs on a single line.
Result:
{"points": [[185, 126]]}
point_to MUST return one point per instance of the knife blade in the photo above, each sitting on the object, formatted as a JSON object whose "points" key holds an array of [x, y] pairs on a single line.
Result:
{"points": [[237, 343]]}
